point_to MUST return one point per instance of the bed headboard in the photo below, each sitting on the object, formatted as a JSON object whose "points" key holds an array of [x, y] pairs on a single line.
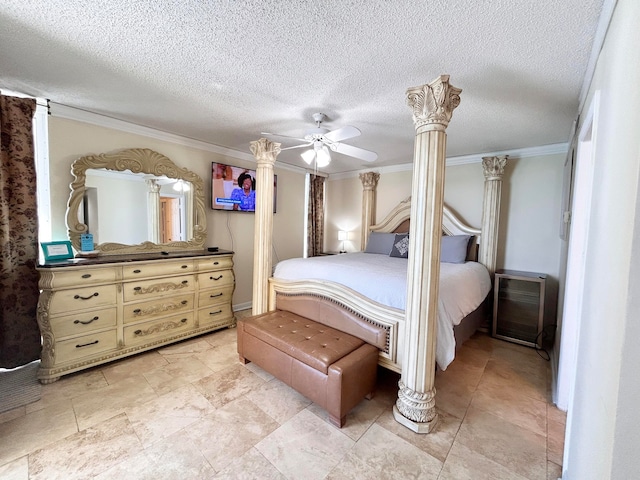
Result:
{"points": [[398, 221]]}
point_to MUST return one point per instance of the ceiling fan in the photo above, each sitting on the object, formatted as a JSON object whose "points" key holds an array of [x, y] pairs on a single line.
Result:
{"points": [[324, 141]]}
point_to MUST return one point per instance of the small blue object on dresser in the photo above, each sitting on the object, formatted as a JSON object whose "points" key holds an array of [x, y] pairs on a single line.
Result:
{"points": [[86, 242]]}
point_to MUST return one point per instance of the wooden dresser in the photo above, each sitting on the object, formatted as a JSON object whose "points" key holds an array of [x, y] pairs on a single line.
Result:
{"points": [[93, 311]]}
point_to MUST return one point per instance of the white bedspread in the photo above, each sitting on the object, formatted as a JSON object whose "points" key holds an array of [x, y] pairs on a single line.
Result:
{"points": [[383, 279]]}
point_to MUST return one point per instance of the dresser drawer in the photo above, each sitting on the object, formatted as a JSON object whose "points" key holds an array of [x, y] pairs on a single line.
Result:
{"points": [[83, 323], [156, 330], [161, 269], [73, 299], [157, 287], [134, 312], [215, 315], [79, 278], [85, 346], [215, 297], [213, 280], [214, 263]]}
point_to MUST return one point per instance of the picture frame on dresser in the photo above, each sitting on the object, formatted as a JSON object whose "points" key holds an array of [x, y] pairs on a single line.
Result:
{"points": [[59, 250]]}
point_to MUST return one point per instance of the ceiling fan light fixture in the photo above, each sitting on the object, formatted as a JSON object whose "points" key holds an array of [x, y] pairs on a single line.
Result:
{"points": [[323, 157], [308, 156]]}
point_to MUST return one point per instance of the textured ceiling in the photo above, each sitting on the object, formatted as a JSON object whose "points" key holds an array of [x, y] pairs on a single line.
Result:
{"points": [[224, 71]]}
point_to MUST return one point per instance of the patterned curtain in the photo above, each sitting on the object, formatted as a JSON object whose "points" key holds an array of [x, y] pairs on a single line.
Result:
{"points": [[19, 333], [315, 229]]}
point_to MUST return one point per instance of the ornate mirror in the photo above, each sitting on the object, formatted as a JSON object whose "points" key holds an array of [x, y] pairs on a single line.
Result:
{"points": [[136, 201]]}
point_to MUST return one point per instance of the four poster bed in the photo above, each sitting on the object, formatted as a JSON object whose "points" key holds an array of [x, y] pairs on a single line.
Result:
{"points": [[372, 286]]}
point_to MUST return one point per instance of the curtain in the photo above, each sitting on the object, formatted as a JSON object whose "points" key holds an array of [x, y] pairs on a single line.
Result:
{"points": [[315, 229], [19, 333]]}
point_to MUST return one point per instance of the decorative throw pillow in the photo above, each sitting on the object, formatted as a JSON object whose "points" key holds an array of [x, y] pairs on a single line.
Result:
{"points": [[400, 246], [454, 248], [380, 242]]}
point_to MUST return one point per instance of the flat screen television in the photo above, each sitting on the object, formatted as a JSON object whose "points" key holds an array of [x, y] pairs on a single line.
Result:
{"points": [[234, 188]]}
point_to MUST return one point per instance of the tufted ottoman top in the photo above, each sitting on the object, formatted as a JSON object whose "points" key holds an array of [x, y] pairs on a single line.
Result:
{"points": [[310, 342]]}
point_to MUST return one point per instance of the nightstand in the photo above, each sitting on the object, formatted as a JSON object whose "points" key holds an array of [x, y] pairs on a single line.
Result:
{"points": [[519, 307]]}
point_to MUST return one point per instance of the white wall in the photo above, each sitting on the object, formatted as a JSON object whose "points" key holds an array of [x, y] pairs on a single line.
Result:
{"points": [[603, 424], [71, 139]]}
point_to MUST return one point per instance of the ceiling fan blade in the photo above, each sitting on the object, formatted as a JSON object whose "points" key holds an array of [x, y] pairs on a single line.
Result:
{"points": [[284, 136], [342, 133], [357, 152], [308, 144]]}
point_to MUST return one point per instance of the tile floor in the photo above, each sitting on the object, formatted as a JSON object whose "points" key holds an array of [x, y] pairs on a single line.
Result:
{"points": [[192, 411]]}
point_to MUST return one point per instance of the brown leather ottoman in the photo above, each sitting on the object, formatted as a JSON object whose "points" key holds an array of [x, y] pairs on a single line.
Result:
{"points": [[332, 368]]}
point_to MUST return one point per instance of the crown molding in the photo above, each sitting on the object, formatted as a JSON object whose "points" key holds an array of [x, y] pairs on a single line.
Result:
{"points": [[544, 150]]}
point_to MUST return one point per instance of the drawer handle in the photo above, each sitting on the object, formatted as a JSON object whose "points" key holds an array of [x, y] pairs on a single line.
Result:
{"points": [[86, 275], [87, 322], [136, 271], [78, 297], [137, 289], [216, 278], [216, 295], [137, 311], [87, 344], [184, 302], [216, 263], [215, 313], [185, 266], [184, 282]]}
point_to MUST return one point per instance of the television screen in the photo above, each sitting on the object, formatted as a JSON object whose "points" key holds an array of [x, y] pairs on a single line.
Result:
{"points": [[234, 188]]}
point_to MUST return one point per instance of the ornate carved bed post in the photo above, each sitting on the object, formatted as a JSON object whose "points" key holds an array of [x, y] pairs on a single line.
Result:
{"points": [[493, 168], [369, 183], [432, 106], [265, 152]]}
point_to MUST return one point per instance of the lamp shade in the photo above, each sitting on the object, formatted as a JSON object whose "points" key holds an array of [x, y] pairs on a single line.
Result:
{"points": [[342, 235]]}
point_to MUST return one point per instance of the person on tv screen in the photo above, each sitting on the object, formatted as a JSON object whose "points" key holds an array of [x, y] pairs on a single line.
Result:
{"points": [[245, 195]]}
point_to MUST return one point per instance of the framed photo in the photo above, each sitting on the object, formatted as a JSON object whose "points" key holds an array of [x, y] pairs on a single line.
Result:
{"points": [[57, 250]]}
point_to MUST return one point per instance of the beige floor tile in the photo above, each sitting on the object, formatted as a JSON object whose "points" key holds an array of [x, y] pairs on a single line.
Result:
{"points": [[230, 431], [14, 413], [174, 457], [87, 453], [263, 374], [132, 367], [305, 447], [100, 405], [278, 400], [501, 374], [555, 441], [23, 435], [250, 466], [513, 406], [69, 386], [220, 357], [183, 349], [556, 415], [179, 373], [452, 395], [437, 443], [466, 464], [380, 454], [169, 413], [518, 449], [222, 387], [554, 471], [221, 337], [15, 470], [358, 420]]}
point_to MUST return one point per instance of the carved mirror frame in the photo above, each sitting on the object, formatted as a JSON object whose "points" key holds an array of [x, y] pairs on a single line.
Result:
{"points": [[137, 160]]}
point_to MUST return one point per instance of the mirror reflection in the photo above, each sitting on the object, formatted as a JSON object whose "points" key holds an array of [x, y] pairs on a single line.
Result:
{"points": [[156, 207], [136, 201]]}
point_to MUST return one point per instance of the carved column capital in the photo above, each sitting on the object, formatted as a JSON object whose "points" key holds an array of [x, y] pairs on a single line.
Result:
{"points": [[433, 103], [493, 167], [264, 150], [369, 180]]}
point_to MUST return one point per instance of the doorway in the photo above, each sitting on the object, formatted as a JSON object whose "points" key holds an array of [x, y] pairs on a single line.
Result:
{"points": [[172, 226]]}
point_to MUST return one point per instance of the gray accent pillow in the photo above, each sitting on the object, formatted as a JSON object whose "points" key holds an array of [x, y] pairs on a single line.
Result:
{"points": [[380, 242], [400, 246], [454, 248]]}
